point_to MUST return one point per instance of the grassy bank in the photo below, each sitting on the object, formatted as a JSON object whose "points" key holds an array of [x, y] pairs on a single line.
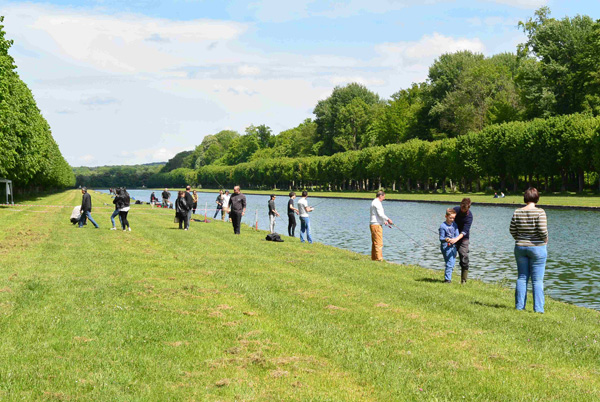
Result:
{"points": [[557, 199], [163, 314]]}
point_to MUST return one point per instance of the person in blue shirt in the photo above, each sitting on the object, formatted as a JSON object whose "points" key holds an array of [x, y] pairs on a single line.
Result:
{"points": [[448, 232], [464, 220]]}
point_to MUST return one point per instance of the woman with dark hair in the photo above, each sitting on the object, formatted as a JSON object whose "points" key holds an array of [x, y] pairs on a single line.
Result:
{"points": [[124, 210], [291, 218], [118, 205], [529, 228], [181, 209]]}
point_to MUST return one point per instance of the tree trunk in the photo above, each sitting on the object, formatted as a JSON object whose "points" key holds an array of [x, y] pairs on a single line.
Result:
{"points": [[581, 180], [563, 185], [444, 185], [394, 185]]}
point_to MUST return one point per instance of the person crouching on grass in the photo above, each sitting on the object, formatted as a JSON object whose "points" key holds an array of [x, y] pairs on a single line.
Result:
{"points": [[448, 231]]}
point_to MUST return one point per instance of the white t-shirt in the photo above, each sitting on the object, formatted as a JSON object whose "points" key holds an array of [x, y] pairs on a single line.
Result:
{"points": [[377, 215], [226, 200], [302, 205]]}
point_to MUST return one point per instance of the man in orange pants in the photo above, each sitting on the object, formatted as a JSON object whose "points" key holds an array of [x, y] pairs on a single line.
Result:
{"points": [[378, 219]]}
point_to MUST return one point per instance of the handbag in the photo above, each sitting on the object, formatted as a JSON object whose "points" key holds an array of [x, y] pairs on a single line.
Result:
{"points": [[176, 219]]}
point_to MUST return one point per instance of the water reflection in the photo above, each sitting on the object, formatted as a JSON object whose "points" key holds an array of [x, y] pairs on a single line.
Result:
{"points": [[572, 271]]}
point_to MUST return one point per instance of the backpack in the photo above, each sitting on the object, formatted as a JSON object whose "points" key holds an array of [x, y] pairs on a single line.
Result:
{"points": [[274, 237]]}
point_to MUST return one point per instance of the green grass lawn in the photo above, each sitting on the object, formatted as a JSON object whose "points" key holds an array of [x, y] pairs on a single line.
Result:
{"points": [[163, 314], [558, 199]]}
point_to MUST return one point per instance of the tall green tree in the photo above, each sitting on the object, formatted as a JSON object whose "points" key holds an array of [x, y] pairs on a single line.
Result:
{"points": [[566, 53], [335, 118]]}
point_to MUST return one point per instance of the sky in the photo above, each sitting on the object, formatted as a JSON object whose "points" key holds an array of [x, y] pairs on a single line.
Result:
{"points": [[136, 81]]}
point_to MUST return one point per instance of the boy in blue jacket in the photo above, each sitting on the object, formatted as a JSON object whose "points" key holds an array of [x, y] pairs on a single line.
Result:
{"points": [[448, 231]]}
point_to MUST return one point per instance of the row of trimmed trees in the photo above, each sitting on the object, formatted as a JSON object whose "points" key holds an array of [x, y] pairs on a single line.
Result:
{"points": [[556, 154], [29, 156]]}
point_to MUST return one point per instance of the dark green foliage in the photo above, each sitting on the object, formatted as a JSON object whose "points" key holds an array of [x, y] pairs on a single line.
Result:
{"points": [[117, 176], [178, 161], [560, 146], [28, 154]]}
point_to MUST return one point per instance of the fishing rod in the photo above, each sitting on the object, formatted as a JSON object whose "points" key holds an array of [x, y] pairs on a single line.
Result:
{"points": [[406, 234]]}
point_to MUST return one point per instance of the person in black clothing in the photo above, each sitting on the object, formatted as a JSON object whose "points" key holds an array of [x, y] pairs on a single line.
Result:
{"points": [[86, 208], [237, 208], [464, 220], [291, 217], [153, 199], [189, 200], [165, 198], [272, 213], [124, 209], [181, 209]]}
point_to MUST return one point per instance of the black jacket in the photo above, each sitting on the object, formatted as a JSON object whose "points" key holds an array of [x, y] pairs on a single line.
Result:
{"points": [[189, 200], [86, 203], [181, 207]]}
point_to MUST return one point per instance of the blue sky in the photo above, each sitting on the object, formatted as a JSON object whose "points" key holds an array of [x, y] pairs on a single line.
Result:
{"points": [[126, 82]]}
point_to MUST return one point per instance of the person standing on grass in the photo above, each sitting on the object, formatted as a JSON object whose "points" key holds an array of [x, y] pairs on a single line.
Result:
{"points": [[165, 198], [272, 213], [464, 220], [181, 209], [303, 210], [378, 219], [118, 205], [220, 199], [291, 217], [86, 208], [124, 210], [189, 201], [225, 209], [195, 197], [448, 231], [237, 208], [529, 228]]}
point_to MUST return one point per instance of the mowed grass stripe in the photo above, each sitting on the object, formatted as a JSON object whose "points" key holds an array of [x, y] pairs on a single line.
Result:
{"points": [[163, 314]]}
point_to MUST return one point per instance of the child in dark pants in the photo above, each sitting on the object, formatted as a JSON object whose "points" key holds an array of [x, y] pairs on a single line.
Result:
{"points": [[448, 231]]}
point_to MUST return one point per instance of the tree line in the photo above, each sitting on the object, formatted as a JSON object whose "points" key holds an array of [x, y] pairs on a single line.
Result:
{"points": [[29, 156], [116, 176]]}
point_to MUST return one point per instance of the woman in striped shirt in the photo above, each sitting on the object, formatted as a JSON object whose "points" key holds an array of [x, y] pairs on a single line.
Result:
{"points": [[530, 230]]}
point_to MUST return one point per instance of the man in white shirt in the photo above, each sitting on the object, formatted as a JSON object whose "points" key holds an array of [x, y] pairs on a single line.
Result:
{"points": [[303, 210], [378, 219], [225, 209]]}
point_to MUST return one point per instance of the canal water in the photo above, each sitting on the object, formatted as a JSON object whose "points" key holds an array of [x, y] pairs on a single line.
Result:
{"points": [[572, 270]]}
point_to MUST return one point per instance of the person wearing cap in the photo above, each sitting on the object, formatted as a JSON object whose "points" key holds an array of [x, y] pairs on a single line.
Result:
{"points": [[272, 213], [378, 219], [464, 220], [86, 208]]}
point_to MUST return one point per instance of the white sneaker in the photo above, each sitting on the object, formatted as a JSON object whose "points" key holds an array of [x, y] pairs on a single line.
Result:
{"points": [[113, 228], [130, 229]]}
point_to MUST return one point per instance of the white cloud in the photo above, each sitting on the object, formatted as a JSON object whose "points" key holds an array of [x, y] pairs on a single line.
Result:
{"points": [[528, 4], [248, 70], [424, 51], [368, 82], [87, 158]]}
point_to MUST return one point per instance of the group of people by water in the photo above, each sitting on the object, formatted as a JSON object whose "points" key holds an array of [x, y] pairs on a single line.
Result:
{"points": [[528, 227]]}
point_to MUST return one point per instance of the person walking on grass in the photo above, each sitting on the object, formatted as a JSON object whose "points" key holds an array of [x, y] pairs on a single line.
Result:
{"points": [[448, 231], [165, 198], [195, 197], [303, 210], [86, 208], [115, 213], [189, 201], [181, 209], [237, 208], [529, 228], [272, 214], [464, 220], [291, 217], [124, 210], [220, 200], [225, 210], [378, 219]]}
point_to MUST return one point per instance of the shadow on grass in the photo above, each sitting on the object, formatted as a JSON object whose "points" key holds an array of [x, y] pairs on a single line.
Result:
{"points": [[496, 305], [430, 280]]}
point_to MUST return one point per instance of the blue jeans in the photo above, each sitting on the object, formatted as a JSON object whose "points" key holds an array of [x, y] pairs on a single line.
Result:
{"points": [[531, 262], [112, 217], [87, 215], [305, 227], [449, 253]]}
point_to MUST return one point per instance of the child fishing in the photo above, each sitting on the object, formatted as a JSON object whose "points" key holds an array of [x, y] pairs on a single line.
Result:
{"points": [[448, 231]]}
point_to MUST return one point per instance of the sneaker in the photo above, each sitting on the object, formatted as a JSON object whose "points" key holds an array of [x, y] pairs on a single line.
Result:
{"points": [[113, 228], [463, 282], [129, 229]]}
